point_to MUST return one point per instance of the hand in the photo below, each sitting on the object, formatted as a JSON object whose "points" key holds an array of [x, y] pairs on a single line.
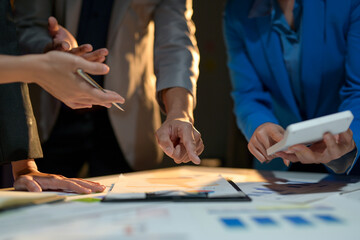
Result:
{"points": [[179, 139], [265, 136], [57, 76], [27, 177], [37, 182], [85, 51], [330, 148], [64, 41]]}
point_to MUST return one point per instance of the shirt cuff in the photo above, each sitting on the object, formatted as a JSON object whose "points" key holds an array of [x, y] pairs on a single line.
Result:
{"points": [[160, 101], [343, 163]]}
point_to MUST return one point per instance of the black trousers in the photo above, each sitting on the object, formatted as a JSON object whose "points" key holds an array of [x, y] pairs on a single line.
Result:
{"points": [[83, 136]]}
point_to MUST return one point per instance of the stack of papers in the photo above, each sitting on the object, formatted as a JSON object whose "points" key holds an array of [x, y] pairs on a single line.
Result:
{"points": [[10, 199], [174, 188]]}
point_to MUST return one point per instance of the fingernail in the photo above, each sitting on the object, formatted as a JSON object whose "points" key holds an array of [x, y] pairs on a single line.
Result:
{"points": [[197, 160], [105, 68], [65, 45], [286, 162], [87, 191], [102, 188], [169, 151]]}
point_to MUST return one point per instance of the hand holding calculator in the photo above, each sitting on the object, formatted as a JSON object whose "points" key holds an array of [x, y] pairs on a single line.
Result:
{"points": [[311, 131]]}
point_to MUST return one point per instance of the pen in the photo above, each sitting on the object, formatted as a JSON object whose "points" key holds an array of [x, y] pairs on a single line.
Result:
{"points": [[350, 191], [92, 82]]}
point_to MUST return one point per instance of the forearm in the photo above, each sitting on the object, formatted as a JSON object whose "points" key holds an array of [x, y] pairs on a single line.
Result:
{"points": [[179, 103], [23, 167], [251, 112], [20, 68]]}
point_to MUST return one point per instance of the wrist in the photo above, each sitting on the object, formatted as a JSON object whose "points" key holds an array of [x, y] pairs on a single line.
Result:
{"points": [[34, 65], [180, 114], [22, 167], [178, 104]]}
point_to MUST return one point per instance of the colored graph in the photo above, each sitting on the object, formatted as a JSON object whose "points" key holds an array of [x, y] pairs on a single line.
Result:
{"points": [[294, 220]]}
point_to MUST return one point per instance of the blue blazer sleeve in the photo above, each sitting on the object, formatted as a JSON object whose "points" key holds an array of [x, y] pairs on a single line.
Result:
{"points": [[252, 103], [350, 92]]}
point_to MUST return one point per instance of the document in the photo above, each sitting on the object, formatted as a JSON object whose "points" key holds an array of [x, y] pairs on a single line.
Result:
{"points": [[9, 199], [187, 186]]}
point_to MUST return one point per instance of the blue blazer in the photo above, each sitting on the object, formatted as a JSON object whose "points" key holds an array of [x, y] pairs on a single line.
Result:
{"points": [[330, 65]]}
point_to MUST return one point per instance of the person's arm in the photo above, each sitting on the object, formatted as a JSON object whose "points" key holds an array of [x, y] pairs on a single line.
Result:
{"points": [[55, 73], [176, 60], [350, 93], [177, 136], [252, 104], [27, 177], [340, 152]]}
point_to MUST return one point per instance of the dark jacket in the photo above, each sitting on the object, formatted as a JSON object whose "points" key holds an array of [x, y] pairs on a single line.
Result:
{"points": [[18, 132]]}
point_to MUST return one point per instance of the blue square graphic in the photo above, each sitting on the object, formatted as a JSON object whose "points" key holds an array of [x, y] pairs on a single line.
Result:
{"points": [[328, 218], [264, 221], [232, 222], [298, 220]]}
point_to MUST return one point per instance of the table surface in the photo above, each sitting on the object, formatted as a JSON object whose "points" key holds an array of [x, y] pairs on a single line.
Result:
{"points": [[284, 204]]}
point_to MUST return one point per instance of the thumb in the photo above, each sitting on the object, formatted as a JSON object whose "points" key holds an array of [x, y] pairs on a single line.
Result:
{"points": [[165, 142], [190, 146], [61, 45], [65, 45], [53, 26], [168, 148], [277, 135]]}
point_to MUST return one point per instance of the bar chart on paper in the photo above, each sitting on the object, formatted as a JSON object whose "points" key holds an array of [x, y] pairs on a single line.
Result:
{"points": [[279, 221], [277, 216]]}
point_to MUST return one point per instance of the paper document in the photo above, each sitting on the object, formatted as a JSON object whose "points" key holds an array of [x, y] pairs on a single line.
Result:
{"points": [[14, 199], [135, 187]]}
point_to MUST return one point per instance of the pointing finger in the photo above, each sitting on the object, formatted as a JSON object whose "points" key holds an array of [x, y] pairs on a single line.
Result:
{"points": [[187, 138]]}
